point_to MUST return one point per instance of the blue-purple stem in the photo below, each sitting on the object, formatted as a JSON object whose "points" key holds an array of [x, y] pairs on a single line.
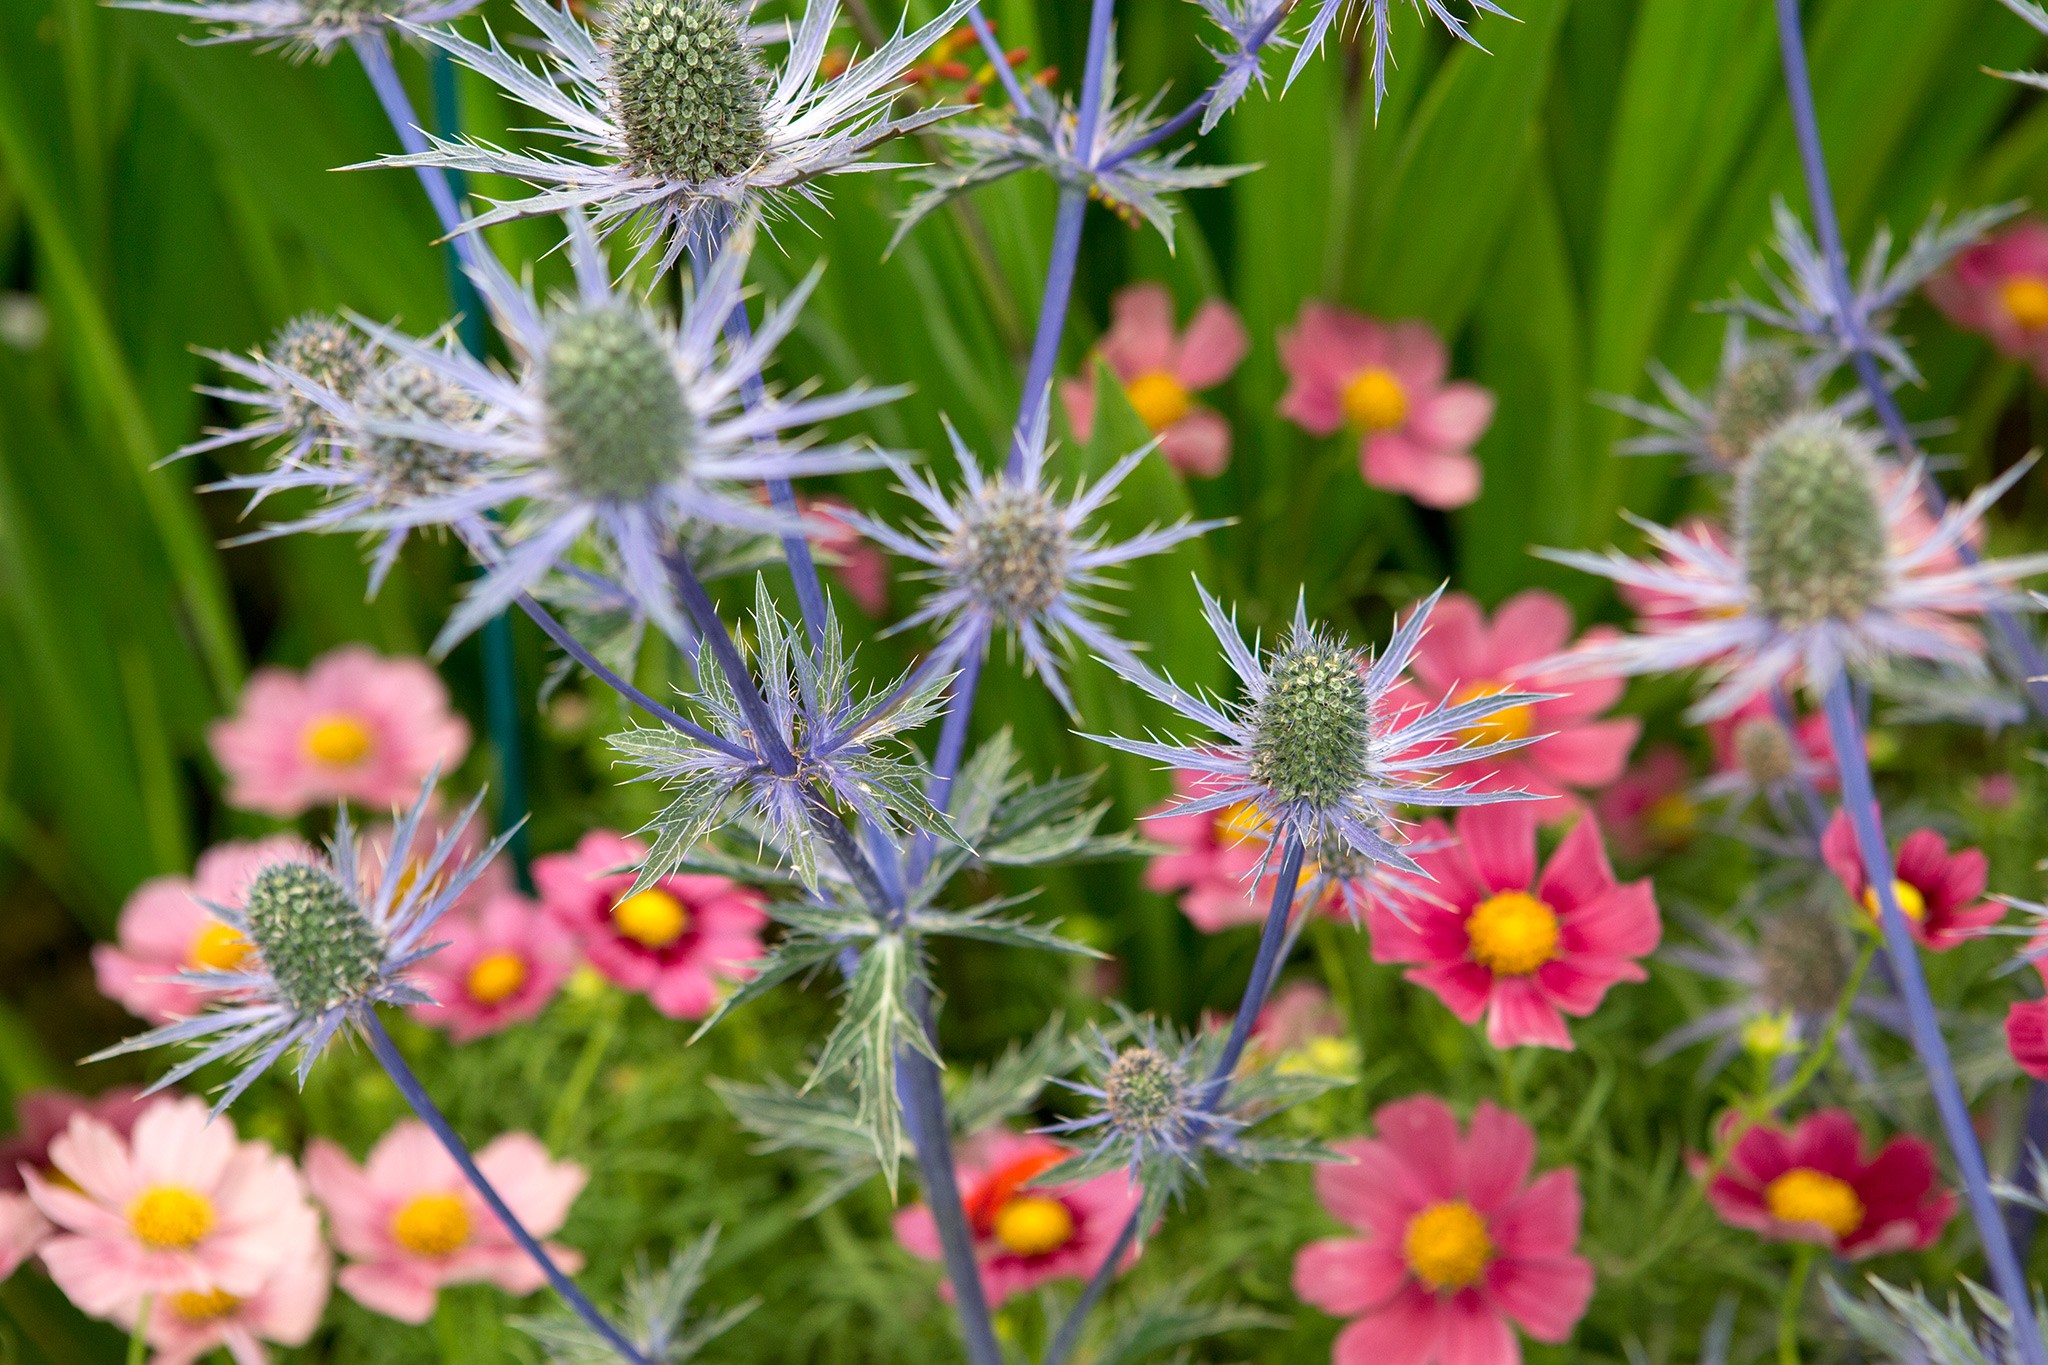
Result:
{"points": [[1859, 799], [375, 56], [2022, 1220], [998, 59], [394, 1064], [1185, 119], [768, 741]]}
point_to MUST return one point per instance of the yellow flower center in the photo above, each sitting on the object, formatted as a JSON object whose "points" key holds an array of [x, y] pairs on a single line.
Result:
{"points": [[1771, 1035], [220, 948], [1804, 1195], [431, 1225], [1512, 934], [652, 918], [1511, 723], [1672, 818], [496, 977], [2026, 298], [1375, 400], [204, 1307], [1912, 904], [1159, 398], [1033, 1225], [1242, 821], [1446, 1245], [170, 1217], [339, 741]]}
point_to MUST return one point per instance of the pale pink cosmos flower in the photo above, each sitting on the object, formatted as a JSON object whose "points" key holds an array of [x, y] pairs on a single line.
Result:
{"points": [[500, 965], [186, 1327], [23, 1230], [1211, 859], [1026, 1234], [1385, 382], [355, 726], [1162, 370], [410, 1223], [1999, 287], [179, 1207], [165, 929], [41, 1116], [676, 941], [1459, 1249], [1465, 656], [859, 564], [1492, 936]]}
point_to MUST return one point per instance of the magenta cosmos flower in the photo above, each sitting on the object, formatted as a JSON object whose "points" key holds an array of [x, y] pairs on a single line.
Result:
{"points": [[1940, 892], [165, 928], [1026, 1234], [675, 941], [1162, 370], [179, 1207], [1814, 1184], [410, 1223], [2000, 288], [1491, 936], [2026, 1030], [353, 727], [1650, 810], [1460, 1247], [1385, 383], [500, 965], [184, 1328], [1465, 656]]}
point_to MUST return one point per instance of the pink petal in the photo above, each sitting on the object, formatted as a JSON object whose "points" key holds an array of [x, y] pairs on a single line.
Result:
{"points": [[1829, 1142], [1466, 988], [1079, 397], [1140, 335], [1578, 873], [404, 1292], [1213, 348], [1839, 849], [1398, 463], [1375, 1192], [1622, 923], [1589, 755], [1542, 1220], [1345, 1276], [1469, 1332], [1423, 1133], [1501, 842], [1416, 355], [1519, 1015], [1533, 624], [1404, 1332], [1498, 1154], [1546, 1295], [1198, 444], [1453, 417]]}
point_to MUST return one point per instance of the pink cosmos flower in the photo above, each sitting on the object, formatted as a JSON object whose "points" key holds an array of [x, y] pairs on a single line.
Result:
{"points": [[1493, 937], [23, 1230], [1385, 382], [2026, 1030], [501, 965], [353, 727], [1161, 371], [676, 940], [164, 930], [184, 1328], [179, 1207], [860, 566], [1999, 287], [1026, 1234], [1464, 656], [1296, 1015], [494, 881], [1815, 1184], [1213, 856], [1460, 1246], [410, 1223], [1649, 810], [41, 1116], [1940, 892]]}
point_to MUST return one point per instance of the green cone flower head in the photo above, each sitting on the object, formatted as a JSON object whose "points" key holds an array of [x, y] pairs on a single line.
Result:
{"points": [[1312, 730], [330, 353], [687, 88], [1144, 1092], [407, 393], [1011, 549], [617, 421], [1812, 524], [1767, 387], [312, 936]]}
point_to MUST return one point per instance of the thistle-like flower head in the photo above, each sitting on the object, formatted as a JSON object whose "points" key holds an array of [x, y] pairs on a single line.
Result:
{"points": [[327, 947], [303, 28], [672, 117], [1152, 1105], [1314, 745], [314, 353], [1008, 551]]}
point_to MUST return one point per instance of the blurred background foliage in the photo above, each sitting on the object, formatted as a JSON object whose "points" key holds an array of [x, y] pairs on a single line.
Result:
{"points": [[1557, 207]]}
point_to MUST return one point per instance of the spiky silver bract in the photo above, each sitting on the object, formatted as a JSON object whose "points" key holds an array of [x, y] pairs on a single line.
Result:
{"points": [[672, 119], [1378, 14], [1151, 1103], [1835, 567], [1902, 1325], [1007, 551], [1314, 744], [329, 947], [1251, 27], [313, 352], [303, 28], [656, 1315]]}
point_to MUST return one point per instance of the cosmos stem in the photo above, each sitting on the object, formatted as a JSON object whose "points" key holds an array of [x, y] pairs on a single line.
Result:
{"points": [[1860, 801], [1789, 1305], [394, 1064]]}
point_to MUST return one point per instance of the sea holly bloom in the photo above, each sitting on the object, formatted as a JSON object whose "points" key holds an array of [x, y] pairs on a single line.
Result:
{"points": [[410, 1223], [1755, 755], [671, 117], [165, 929], [1492, 936], [331, 946], [285, 1309], [1025, 1233], [1649, 810], [1162, 370], [1758, 385], [1460, 1246], [1464, 656], [1376, 16], [313, 352], [1816, 1184], [304, 28], [470, 840], [678, 940], [1939, 892], [354, 727], [1008, 551], [498, 966], [1999, 287], [1833, 568], [1385, 382], [178, 1207]]}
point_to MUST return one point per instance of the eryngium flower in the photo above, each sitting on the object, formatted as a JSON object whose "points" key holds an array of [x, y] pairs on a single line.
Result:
{"points": [[329, 947], [1379, 14], [1835, 566], [1313, 744], [1152, 1102], [615, 423], [1252, 27], [303, 28], [673, 118], [1008, 552], [313, 353]]}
